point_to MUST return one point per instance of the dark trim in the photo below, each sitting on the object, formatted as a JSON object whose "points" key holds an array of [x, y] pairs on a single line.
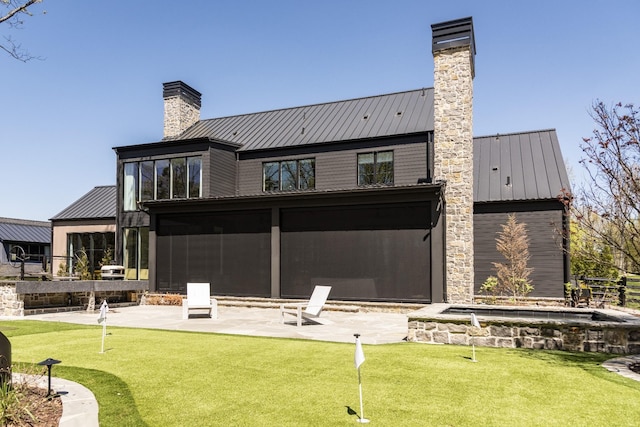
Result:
{"points": [[517, 206], [183, 90], [171, 147], [297, 198]]}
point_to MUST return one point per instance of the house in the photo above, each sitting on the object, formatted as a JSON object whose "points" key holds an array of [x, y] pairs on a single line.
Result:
{"points": [[86, 226], [23, 239], [375, 196]]}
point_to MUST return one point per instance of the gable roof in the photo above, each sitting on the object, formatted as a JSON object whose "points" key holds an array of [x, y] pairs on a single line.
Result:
{"points": [[518, 166], [393, 114], [100, 202], [20, 230]]}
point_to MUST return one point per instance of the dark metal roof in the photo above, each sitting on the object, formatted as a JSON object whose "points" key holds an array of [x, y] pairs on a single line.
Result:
{"points": [[518, 166], [372, 117], [97, 203], [20, 230]]}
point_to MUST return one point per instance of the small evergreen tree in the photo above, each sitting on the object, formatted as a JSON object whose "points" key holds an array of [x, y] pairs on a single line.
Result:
{"points": [[513, 274]]}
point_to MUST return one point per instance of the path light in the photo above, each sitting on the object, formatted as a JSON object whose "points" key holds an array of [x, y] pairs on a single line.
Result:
{"points": [[48, 363]]}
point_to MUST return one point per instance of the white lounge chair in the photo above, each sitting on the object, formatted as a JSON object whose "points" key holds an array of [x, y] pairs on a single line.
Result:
{"points": [[312, 308], [199, 298]]}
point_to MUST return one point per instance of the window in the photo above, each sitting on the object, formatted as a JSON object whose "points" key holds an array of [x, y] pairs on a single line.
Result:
{"points": [[94, 245], [136, 253], [176, 178], [194, 170], [375, 168], [289, 175], [130, 186], [163, 180]]}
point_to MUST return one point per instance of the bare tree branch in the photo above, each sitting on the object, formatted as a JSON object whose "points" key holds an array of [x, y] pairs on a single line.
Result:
{"points": [[15, 8], [608, 205]]}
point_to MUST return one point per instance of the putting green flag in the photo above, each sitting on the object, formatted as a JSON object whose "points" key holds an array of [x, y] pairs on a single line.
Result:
{"points": [[474, 320], [104, 308], [359, 357]]}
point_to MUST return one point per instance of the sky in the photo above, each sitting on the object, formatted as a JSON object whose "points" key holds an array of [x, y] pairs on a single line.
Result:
{"points": [[97, 82]]}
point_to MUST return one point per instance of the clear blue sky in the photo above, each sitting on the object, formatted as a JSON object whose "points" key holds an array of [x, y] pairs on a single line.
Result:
{"points": [[539, 65]]}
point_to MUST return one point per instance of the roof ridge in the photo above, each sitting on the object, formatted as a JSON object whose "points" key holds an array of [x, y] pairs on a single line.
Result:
{"points": [[515, 133], [17, 221], [316, 104]]}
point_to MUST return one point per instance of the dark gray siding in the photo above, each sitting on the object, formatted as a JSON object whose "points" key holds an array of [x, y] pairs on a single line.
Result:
{"points": [[221, 173], [545, 249], [338, 169]]}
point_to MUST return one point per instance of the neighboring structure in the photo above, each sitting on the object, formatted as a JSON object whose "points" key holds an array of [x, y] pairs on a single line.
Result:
{"points": [[86, 225], [32, 237], [374, 196]]}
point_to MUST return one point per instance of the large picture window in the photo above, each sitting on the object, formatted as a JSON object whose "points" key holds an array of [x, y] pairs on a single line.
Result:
{"points": [[96, 246], [176, 178], [375, 168], [289, 175]]}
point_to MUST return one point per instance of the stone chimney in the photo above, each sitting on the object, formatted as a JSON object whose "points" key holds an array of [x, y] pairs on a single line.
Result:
{"points": [[181, 108], [453, 54]]}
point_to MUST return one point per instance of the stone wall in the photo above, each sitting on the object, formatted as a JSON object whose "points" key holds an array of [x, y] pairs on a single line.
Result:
{"points": [[602, 337], [453, 163], [18, 298]]}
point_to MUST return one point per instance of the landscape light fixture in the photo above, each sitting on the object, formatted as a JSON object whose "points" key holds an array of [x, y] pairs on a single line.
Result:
{"points": [[48, 363]]}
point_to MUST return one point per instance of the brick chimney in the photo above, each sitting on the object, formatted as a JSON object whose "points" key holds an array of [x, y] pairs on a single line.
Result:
{"points": [[453, 55], [181, 107]]}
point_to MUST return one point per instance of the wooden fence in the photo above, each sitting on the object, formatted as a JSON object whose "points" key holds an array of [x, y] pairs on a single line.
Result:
{"points": [[601, 291]]}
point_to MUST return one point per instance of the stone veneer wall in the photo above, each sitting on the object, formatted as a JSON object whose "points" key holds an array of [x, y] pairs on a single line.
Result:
{"points": [[453, 163], [179, 114], [20, 298], [603, 337]]}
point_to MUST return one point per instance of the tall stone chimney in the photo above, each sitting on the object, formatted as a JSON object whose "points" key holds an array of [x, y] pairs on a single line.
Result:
{"points": [[181, 107], [453, 54]]}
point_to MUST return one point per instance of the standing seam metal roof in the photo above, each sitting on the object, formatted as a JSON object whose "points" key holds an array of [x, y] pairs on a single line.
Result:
{"points": [[399, 113], [15, 230], [100, 202], [518, 166]]}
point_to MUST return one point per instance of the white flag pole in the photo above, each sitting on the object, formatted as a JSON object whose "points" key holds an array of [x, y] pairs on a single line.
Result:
{"points": [[104, 308], [475, 324], [359, 359]]}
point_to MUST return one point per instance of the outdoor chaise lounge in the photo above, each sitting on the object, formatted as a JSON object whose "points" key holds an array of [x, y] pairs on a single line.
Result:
{"points": [[199, 298], [312, 308]]}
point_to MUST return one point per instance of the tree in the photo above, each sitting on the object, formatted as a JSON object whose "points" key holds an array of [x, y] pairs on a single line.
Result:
{"points": [[590, 257], [607, 207], [513, 274], [14, 11]]}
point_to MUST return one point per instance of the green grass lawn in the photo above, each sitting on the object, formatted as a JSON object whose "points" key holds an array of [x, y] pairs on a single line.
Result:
{"points": [[168, 378]]}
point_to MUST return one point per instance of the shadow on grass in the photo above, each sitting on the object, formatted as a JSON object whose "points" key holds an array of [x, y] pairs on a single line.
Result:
{"points": [[116, 404], [588, 362]]}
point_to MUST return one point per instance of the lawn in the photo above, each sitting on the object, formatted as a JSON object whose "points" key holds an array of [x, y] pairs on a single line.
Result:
{"points": [[169, 378]]}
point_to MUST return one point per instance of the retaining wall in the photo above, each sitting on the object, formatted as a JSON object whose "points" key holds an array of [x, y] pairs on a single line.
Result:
{"points": [[18, 298], [431, 326]]}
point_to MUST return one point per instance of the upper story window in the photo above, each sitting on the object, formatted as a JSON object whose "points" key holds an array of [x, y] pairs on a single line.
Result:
{"points": [[375, 168], [289, 175], [176, 178]]}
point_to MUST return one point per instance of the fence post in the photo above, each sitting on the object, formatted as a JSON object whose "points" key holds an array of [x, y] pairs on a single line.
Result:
{"points": [[622, 298]]}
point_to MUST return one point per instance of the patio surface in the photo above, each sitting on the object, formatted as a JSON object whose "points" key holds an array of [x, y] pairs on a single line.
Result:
{"points": [[335, 326]]}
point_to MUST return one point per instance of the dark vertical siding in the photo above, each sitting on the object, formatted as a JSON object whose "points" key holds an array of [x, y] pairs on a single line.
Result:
{"points": [[338, 169], [544, 248]]}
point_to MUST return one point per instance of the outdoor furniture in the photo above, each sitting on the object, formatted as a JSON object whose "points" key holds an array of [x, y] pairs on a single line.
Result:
{"points": [[199, 298], [312, 308]]}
